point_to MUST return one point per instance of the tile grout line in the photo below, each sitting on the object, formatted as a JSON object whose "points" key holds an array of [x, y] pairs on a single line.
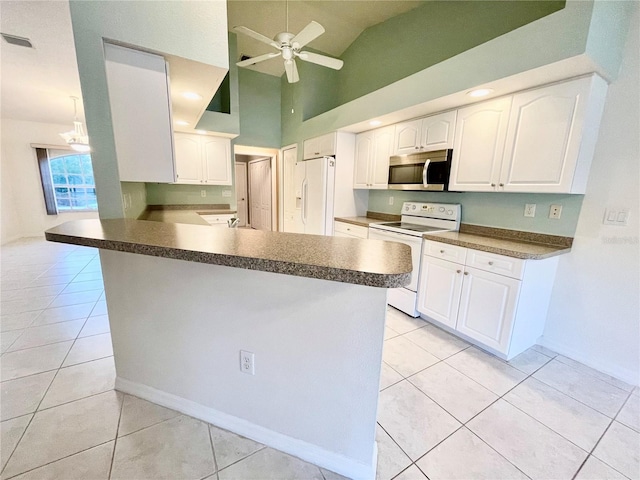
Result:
{"points": [[115, 440], [213, 451]]}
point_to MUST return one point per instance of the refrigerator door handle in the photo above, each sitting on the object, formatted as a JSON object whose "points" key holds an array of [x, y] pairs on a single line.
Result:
{"points": [[305, 186]]}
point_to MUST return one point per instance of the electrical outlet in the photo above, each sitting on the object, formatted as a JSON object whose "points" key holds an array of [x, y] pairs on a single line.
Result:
{"points": [[530, 210], [390, 200], [203, 193], [555, 211], [247, 362], [226, 193]]}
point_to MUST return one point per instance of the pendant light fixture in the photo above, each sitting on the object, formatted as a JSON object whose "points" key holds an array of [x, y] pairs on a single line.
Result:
{"points": [[76, 138]]}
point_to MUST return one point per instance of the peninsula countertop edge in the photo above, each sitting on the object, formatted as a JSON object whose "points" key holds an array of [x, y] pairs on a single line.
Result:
{"points": [[371, 263]]}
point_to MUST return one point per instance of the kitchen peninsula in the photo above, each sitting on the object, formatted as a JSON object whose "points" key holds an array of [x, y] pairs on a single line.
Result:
{"points": [[311, 309]]}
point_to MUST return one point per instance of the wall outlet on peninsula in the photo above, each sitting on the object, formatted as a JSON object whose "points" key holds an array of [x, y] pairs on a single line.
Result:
{"points": [[247, 362], [390, 200]]}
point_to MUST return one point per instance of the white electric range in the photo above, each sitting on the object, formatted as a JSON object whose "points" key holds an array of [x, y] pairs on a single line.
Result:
{"points": [[417, 218]]}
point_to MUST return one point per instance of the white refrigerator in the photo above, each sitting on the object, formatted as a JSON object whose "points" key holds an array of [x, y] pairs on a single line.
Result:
{"points": [[310, 208]]}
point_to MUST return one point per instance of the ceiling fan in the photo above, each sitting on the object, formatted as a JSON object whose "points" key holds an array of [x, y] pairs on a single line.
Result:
{"points": [[290, 46]]}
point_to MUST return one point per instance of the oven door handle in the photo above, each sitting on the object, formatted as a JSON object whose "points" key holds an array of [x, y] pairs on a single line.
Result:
{"points": [[425, 171]]}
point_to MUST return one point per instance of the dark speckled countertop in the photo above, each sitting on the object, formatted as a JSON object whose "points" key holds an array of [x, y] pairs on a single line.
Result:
{"points": [[363, 262], [189, 214]]}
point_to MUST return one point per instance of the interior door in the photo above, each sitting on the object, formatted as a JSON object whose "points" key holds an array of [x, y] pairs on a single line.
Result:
{"points": [[293, 175], [241, 193], [260, 193], [315, 196]]}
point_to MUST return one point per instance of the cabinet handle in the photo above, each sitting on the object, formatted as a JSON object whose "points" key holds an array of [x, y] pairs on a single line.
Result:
{"points": [[417, 148], [493, 184], [466, 273], [490, 263], [458, 271], [441, 251], [502, 184]]}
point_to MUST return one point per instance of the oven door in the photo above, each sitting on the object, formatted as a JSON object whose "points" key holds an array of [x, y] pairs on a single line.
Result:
{"points": [[416, 248], [428, 171]]}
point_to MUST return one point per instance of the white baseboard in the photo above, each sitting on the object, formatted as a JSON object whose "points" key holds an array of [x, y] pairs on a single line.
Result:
{"points": [[298, 448], [615, 371]]}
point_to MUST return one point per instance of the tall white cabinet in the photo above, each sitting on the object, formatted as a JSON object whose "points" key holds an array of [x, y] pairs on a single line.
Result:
{"points": [[538, 141], [140, 106]]}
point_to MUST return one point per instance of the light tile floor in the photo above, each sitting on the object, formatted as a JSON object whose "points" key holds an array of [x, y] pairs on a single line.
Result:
{"points": [[447, 409]]}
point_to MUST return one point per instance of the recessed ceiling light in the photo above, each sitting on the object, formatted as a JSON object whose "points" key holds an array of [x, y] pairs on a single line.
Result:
{"points": [[375, 123], [201, 132], [191, 96], [181, 122], [480, 92]]}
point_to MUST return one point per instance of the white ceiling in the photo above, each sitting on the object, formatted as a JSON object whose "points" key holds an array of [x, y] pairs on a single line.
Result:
{"points": [[343, 20], [37, 83]]}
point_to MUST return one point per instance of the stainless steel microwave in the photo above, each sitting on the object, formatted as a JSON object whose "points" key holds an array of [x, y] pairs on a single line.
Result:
{"points": [[426, 171]]}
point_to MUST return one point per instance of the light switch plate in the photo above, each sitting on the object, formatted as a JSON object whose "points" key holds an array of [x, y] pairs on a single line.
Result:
{"points": [[616, 216]]}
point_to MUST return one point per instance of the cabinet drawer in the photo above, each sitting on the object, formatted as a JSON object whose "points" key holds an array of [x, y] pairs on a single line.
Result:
{"points": [[490, 262], [352, 230], [453, 253]]}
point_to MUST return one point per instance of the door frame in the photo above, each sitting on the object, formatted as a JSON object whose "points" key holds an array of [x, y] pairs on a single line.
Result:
{"points": [[276, 167], [281, 184], [246, 189]]}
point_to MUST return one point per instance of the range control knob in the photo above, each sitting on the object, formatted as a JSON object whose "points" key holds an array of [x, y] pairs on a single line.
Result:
{"points": [[441, 209], [413, 207], [406, 208], [449, 212]]}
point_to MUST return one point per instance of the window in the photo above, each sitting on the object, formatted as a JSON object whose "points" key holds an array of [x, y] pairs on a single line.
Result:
{"points": [[67, 181]]}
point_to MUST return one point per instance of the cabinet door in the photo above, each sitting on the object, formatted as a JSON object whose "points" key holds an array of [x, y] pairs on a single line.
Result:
{"points": [[140, 113], [216, 152], [478, 146], [437, 131], [328, 144], [407, 137], [188, 158], [439, 290], [364, 151], [487, 308], [382, 150], [543, 139], [311, 148]]}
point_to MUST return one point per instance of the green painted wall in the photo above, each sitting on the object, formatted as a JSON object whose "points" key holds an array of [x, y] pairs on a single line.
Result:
{"points": [[501, 210], [427, 35], [164, 194], [136, 195], [260, 124]]}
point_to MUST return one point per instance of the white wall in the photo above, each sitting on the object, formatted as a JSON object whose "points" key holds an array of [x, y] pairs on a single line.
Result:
{"points": [[23, 210], [594, 311]]}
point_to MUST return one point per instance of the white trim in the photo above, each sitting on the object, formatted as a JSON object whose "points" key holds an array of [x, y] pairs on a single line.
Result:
{"points": [[52, 147], [624, 374], [298, 448]]}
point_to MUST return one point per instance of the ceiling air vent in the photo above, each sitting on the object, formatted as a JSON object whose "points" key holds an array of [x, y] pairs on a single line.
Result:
{"points": [[15, 40]]}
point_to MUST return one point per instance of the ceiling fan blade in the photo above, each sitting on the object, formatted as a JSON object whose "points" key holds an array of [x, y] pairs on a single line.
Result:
{"points": [[323, 60], [259, 58], [308, 33], [292, 71], [256, 35]]}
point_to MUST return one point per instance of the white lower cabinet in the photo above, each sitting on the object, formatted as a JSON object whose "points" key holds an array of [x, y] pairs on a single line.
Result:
{"points": [[221, 220], [349, 230], [495, 301]]}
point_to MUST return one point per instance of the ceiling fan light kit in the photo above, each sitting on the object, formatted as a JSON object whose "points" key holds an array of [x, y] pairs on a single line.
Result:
{"points": [[290, 46]]}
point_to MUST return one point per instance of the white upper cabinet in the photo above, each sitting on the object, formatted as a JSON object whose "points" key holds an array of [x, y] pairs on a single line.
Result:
{"points": [[478, 145], [322, 146], [424, 135], [373, 149], [538, 141], [216, 153], [141, 114], [203, 159], [549, 137]]}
